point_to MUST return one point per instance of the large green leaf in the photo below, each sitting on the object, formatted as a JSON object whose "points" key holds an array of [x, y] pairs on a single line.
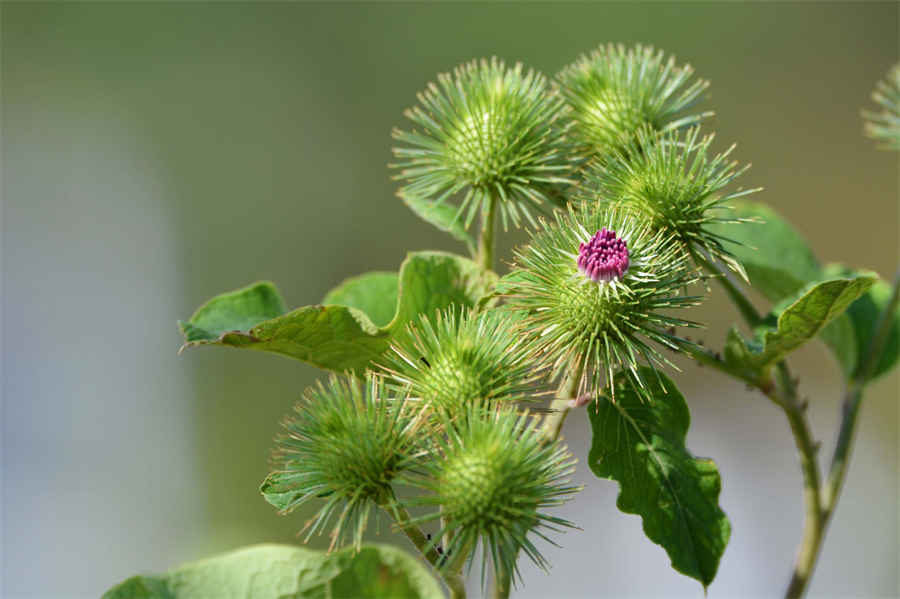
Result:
{"points": [[286, 572], [374, 293], [796, 321], [777, 258], [641, 445], [336, 337], [864, 314], [444, 216]]}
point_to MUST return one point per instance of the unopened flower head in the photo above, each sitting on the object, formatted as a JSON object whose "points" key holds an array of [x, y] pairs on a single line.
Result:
{"points": [[461, 358], [486, 133], [613, 91], [597, 288], [675, 184], [885, 125], [492, 477], [345, 444]]}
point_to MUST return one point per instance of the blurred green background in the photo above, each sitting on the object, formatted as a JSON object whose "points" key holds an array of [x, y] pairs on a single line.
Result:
{"points": [[157, 154]]}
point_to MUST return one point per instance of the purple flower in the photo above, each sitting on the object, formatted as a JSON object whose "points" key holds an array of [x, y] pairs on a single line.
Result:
{"points": [[604, 257]]}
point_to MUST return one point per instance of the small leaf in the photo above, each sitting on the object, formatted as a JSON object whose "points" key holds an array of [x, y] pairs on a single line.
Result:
{"points": [[777, 259], [443, 215], [641, 445], [271, 489], [374, 293], [432, 281], [798, 320], [285, 572], [234, 311], [864, 314], [337, 337]]}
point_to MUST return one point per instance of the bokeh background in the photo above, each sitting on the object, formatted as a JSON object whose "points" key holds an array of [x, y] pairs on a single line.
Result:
{"points": [[157, 154]]}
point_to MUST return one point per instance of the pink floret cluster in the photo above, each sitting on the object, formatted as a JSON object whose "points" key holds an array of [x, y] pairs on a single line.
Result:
{"points": [[604, 257]]}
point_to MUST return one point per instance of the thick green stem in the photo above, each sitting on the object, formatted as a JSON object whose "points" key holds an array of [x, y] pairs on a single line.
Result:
{"points": [[812, 545], [568, 390], [785, 396], [486, 238]]}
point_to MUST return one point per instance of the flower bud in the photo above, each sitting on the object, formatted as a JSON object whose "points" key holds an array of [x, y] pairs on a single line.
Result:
{"points": [[462, 358], [613, 91], [345, 443], [674, 183], [884, 126], [487, 132], [492, 478]]}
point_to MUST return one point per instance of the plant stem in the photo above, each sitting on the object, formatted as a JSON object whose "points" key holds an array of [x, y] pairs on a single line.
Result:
{"points": [[708, 358], [783, 392], [785, 395], [502, 586], [568, 390], [452, 579], [820, 502], [486, 238], [552, 427], [809, 552]]}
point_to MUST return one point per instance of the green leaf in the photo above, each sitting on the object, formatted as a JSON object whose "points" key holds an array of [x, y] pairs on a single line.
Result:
{"points": [[234, 311], [778, 260], [798, 320], [641, 445], [864, 314], [336, 337], [283, 501], [432, 281], [443, 215], [286, 572], [140, 587], [374, 293], [382, 571]]}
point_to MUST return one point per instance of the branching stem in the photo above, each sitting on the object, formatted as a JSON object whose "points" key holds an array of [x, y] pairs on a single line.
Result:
{"points": [[809, 551], [820, 500]]}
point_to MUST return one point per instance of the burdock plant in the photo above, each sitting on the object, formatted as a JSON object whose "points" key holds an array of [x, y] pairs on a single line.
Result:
{"points": [[436, 416]]}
